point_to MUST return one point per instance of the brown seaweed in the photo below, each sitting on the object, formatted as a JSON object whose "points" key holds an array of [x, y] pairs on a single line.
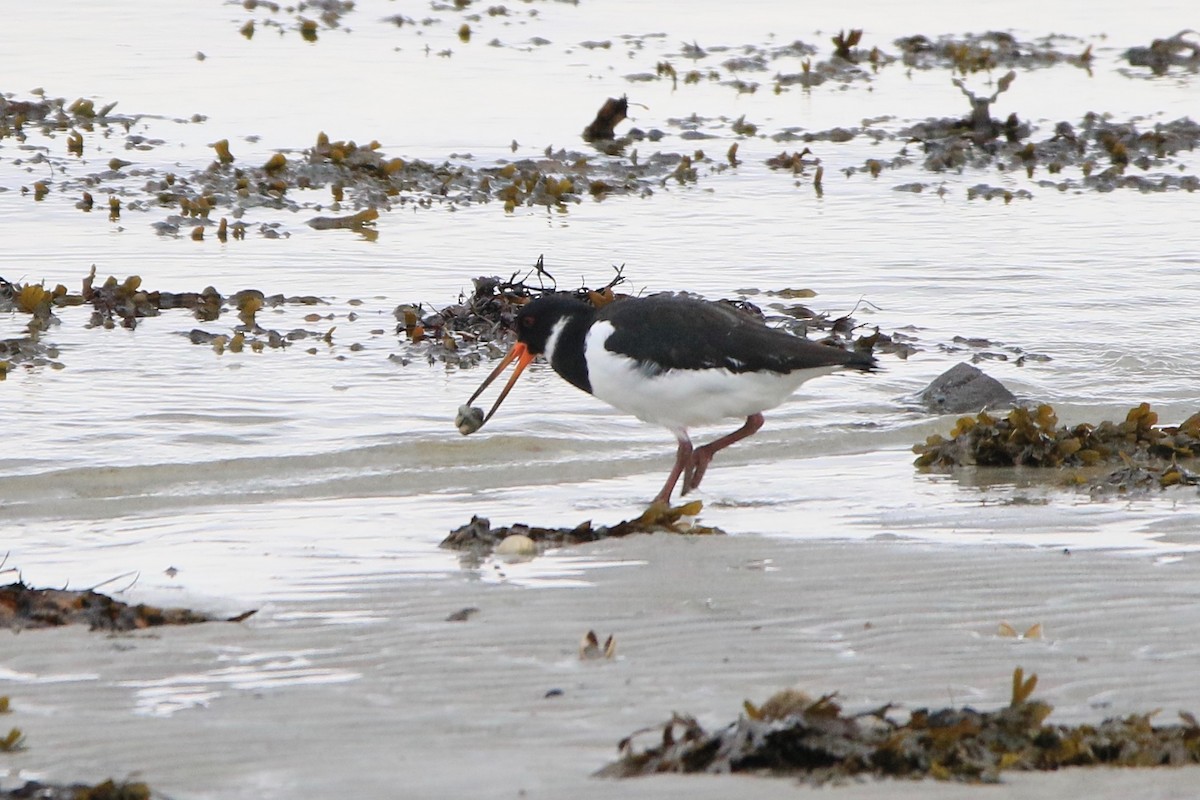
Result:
{"points": [[1031, 437], [792, 734], [479, 537], [610, 115], [23, 606], [1162, 54], [108, 790], [480, 325]]}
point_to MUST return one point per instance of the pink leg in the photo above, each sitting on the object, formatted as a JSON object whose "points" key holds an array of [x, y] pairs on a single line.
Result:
{"points": [[683, 457], [694, 472]]}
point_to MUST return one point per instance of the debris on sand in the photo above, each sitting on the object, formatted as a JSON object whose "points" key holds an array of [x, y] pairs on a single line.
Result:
{"points": [[1148, 453], [590, 649], [108, 790], [23, 607], [479, 537], [794, 735], [795, 162]]}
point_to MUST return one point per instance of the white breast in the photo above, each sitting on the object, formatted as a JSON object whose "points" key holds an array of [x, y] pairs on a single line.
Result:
{"points": [[684, 398]]}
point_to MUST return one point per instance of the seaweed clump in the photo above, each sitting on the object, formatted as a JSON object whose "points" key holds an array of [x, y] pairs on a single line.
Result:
{"points": [[480, 325], [108, 790], [28, 349], [611, 114], [954, 143], [1162, 54], [793, 734], [1033, 437], [479, 538], [360, 178]]}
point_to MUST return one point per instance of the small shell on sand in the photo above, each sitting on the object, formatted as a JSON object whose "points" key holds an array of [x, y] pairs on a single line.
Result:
{"points": [[516, 544]]}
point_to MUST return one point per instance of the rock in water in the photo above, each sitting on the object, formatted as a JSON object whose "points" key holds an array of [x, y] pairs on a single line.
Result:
{"points": [[965, 388]]}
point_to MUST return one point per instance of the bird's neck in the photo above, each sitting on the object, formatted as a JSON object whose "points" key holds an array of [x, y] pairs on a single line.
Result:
{"points": [[564, 349]]}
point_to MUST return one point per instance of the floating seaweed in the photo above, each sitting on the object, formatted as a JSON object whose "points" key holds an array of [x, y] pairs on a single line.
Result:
{"points": [[123, 302], [795, 735], [1180, 50], [365, 181], [360, 178], [952, 143], [351, 221], [844, 43], [462, 334], [30, 350], [331, 13], [991, 51], [1104, 151]]}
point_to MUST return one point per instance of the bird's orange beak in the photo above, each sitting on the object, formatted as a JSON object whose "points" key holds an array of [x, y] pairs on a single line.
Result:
{"points": [[519, 353]]}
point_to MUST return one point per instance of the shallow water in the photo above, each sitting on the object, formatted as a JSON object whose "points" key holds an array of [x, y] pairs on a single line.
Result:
{"points": [[288, 475], [145, 423]]}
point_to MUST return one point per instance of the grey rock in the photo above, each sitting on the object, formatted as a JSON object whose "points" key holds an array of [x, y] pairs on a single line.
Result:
{"points": [[965, 388]]}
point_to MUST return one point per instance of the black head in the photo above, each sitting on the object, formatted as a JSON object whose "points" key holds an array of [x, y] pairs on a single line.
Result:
{"points": [[537, 319]]}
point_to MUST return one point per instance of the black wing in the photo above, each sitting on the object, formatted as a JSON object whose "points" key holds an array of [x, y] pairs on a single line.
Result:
{"points": [[667, 332]]}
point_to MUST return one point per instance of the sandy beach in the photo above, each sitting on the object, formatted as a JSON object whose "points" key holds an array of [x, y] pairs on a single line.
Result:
{"points": [[385, 698]]}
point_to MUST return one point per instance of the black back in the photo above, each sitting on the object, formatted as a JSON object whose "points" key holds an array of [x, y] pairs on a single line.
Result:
{"points": [[665, 332]]}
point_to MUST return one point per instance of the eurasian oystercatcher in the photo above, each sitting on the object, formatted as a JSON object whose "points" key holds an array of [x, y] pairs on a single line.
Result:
{"points": [[669, 360]]}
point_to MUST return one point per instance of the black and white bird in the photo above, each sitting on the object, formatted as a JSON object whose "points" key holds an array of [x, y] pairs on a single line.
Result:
{"points": [[668, 360]]}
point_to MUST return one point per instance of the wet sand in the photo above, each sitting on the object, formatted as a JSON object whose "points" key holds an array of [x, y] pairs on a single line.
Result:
{"points": [[372, 693]]}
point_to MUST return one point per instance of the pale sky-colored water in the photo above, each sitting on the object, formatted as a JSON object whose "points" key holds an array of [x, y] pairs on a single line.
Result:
{"points": [[316, 486]]}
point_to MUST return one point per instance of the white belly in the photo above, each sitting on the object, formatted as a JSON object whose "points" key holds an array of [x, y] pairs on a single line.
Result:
{"points": [[685, 398]]}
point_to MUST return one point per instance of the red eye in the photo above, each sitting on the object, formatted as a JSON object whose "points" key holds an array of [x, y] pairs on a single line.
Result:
{"points": [[527, 322]]}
